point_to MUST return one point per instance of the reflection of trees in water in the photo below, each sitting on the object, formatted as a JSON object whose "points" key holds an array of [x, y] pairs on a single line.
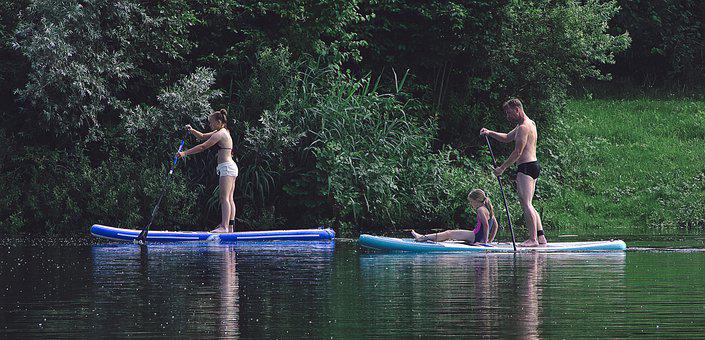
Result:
{"points": [[253, 290], [285, 293], [165, 290], [469, 294]]}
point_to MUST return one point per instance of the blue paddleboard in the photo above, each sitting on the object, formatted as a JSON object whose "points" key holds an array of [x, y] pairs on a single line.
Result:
{"points": [[120, 234]]}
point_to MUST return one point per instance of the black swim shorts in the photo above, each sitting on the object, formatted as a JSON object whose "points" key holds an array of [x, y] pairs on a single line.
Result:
{"points": [[532, 169]]}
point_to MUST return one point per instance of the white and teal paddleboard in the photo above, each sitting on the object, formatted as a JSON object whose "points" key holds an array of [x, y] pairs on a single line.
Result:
{"points": [[408, 244]]}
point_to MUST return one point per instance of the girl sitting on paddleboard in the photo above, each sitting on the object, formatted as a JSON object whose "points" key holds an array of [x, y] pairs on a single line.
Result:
{"points": [[226, 169], [484, 231]]}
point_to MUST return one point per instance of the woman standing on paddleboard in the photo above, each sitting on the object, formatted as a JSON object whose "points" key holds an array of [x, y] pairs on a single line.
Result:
{"points": [[226, 169], [484, 231]]}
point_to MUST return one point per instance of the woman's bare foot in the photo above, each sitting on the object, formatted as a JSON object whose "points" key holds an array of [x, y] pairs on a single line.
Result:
{"points": [[418, 237], [530, 243], [220, 229]]}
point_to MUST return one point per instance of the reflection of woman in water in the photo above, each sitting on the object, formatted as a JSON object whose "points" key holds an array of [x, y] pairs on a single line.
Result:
{"points": [[485, 229], [229, 296]]}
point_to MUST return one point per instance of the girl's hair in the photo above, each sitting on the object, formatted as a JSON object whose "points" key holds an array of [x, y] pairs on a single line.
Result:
{"points": [[480, 196], [221, 116]]}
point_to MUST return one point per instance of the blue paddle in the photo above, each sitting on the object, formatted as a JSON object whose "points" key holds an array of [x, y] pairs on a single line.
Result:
{"points": [[501, 188], [142, 238]]}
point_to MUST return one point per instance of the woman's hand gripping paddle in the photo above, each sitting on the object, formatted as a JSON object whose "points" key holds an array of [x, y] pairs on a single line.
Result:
{"points": [[142, 238], [501, 188]]}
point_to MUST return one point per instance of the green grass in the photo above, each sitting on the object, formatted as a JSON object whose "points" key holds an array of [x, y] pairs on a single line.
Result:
{"points": [[632, 167]]}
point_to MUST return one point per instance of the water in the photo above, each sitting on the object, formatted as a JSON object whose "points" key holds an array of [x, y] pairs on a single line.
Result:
{"points": [[323, 290]]}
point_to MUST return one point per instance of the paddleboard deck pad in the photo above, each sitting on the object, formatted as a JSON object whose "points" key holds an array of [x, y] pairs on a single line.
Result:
{"points": [[410, 245], [120, 234]]}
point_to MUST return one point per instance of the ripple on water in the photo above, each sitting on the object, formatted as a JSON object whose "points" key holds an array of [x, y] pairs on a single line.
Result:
{"points": [[323, 289]]}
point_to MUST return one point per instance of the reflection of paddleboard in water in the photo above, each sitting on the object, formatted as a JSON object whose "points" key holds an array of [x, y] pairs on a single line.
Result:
{"points": [[399, 244], [119, 234]]}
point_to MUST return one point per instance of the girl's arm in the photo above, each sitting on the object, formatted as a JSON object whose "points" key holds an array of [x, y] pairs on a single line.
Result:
{"points": [[484, 214], [214, 138], [494, 230]]}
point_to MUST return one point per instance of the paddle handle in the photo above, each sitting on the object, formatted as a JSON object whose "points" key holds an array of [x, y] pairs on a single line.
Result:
{"points": [[142, 238], [504, 197]]}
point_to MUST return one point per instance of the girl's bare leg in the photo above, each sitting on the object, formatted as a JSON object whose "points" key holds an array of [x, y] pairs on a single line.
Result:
{"points": [[459, 235]]}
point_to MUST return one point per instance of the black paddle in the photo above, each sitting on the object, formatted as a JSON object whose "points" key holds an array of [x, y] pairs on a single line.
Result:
{"points": [[142, 238], [501, 188]]}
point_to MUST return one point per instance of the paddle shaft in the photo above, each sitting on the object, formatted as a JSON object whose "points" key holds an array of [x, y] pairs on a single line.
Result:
{"points": [[142, 238], [501, 188]]}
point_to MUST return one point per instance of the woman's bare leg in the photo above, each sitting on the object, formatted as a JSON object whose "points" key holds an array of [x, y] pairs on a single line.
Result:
{"points": [[226, 182], [233, 208]]}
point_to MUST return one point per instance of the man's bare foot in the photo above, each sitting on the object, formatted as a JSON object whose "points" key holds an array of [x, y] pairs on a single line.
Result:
{"points": [[220, 229], [530, 243], [418, 237], [542, 240]]}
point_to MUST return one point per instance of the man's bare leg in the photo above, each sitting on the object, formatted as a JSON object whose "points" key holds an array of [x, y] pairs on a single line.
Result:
{"points": [[539, 225], [539, 229], [525, 188]]}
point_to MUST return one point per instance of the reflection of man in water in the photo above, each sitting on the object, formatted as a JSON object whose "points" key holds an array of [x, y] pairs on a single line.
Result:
{"points": [[485, 299], [528, 321], [524, 136]]}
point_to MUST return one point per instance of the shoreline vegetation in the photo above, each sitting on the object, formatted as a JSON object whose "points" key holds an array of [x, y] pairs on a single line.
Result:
{"points": [[636, 168], [363, 117]]}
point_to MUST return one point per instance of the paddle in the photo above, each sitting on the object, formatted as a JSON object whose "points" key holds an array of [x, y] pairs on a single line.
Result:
{"points": [[501, 188], [142, 238]]}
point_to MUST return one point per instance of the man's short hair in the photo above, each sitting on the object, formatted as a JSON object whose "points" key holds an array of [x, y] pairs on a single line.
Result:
{"points": [[513, 103]]}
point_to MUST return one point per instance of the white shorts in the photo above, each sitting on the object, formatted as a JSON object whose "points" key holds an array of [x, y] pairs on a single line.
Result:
{"points": [[227, 169]]}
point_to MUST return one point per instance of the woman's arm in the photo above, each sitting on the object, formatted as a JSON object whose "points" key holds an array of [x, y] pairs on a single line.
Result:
{"points": [[199, 134], [214, 138]]}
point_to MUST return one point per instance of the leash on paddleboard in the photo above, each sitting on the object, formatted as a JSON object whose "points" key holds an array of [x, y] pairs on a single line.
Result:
{"points": [[501, 188], [142, 238]]}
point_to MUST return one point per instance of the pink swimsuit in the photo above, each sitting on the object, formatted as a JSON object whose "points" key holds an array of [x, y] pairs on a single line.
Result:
{"points": [[478, 231]]}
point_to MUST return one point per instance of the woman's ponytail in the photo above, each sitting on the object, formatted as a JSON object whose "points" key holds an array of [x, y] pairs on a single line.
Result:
{"points": [[221, 116]]}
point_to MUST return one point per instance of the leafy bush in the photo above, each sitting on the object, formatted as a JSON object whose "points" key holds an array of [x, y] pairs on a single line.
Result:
{"points": [[336, 139]]}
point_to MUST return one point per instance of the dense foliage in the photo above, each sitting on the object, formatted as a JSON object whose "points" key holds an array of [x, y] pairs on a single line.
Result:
{"points": [[351, 114], [667, 48]]}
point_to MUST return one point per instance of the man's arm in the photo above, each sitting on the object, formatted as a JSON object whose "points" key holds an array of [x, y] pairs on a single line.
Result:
{"points": [[520, 134], [502, 137]]}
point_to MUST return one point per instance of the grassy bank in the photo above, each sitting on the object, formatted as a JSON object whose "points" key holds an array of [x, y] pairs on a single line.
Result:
{"points": [[630, 167]]}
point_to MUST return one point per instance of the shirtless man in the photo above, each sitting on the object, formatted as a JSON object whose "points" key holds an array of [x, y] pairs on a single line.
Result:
{"points": [[524, 138]]}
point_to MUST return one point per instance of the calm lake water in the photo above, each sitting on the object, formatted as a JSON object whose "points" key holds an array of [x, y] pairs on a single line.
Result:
{"points": [[324, 290]]}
